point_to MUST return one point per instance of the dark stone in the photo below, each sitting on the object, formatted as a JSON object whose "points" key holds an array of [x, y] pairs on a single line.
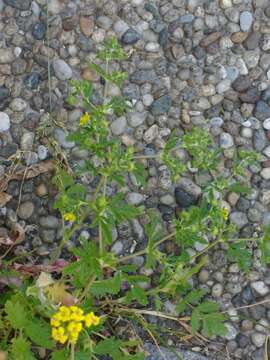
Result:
{"points": [[130, 37], [242, 340], [252, 41], [262, 110], [19, 4], [247, 295], [86, 44], [161, 105], [258, 354], [154, 354], [142, 76], [163, 37], [18, 66], [266, 95], [165, 209], [69, 23], [4, 97], [39, 31], [211, 38], [8, 150], [152, 9], [183, 199], [32, 80], [214, 48], [199, 52], [267, 11], [157, 25], [257, 312], [242, 83], [186, 19], [252, 96]]}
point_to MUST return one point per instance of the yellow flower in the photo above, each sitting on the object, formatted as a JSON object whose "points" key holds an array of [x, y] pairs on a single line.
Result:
{"points": [[91, 319], [69, 217], [84, 119], [67, 323]]}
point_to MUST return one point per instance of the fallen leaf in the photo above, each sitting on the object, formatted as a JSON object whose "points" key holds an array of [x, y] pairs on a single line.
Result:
{"points": [[17, 234], [58, 294], [44, 280], [4, 199]]}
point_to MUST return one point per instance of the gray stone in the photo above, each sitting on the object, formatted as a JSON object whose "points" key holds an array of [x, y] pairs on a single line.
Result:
{"points": [[118, 126], [49, 222], [161, 105], [231, 331], [258, 339], [246, 20], [4, 122], [42, 152], [242, 83], [62, 70], [6, 56], [136, 118], [60, 136], [260, 287], [18, 104], [131, 92], [4, 97], [130, 37], [135, 198], [27, 141], [266, 124], [117, 247], [32, 80], [259, 140], [26, 210], [19, 4], [142, 76], [226, 141], [262, 110], [239, 219], [151, 134], [184, 199], [39, 31]]}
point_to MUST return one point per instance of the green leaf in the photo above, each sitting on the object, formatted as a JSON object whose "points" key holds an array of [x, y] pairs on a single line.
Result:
{"points": [[60, 355], [240, 188], [239, 253], [192, 298], [111, 347], [138, 294], [16, 314], [264, 246], [195, 320], [40, 333], [108, 286], [208, 307], [139, 356], [20, 349]]}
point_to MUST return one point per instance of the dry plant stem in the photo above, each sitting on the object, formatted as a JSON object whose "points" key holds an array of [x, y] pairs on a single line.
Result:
{"points": [[266, 348], [144, 251]]}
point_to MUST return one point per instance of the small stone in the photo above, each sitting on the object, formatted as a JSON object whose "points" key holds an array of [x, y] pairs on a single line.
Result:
{"points": [[217, 290], [19, 4], [262, 111], [210, 39], [151, 134], [26, 210], [260, 288], [49, 222], [6, 56], [135, 198], [27, 141], [259, 140], [118, 126], [239, 219], [183, 199], [117, 248], [223, 86], [246, 20], [242, 83], [252, 96], [204, 276], [142, 76], [18, 104], [39, 31], [252, 41], [266, 124], [130, 37], [87, 25], [62, 70], [60, 135], [231, 331], [265, 173], [136, 118], [4, 97], [226, 141], [258, 339], [4, 122], [32, 80], [41, 190], [225, 4], [161, 105], [152, 47], [147, 99], [238, 37], [42, 152]]}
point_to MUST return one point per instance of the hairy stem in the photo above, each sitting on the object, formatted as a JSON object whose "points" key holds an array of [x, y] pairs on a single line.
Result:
{"points": [[72, 352]]}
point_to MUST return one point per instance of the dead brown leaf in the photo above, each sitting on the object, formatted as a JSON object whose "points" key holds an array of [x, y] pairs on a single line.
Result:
{"points": [[4, 199], [16, 236], [27, 173]]}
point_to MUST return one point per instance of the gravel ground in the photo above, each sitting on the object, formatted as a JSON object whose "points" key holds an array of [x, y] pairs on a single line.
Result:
{"points": [[194, 62]]}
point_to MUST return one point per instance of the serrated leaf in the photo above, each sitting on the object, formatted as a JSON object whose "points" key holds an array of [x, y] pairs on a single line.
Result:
{"points": [[240, 188], [139, 356], [208, 307], [16, 314], [60, 355], [20, 349], [195, 320], [138, 294], [109, 346], [108, 286], [40, 333]]}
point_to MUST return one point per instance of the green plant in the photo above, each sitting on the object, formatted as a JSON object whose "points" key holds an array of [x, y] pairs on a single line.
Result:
{"points": [[95, 279]]}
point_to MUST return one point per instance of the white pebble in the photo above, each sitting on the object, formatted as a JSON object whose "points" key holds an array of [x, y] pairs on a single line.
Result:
{"points": [[4, 122]]}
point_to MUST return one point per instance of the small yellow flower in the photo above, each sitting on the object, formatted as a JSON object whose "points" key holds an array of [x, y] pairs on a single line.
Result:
{"points": [[67, 323], [69, 217], [84, 119], [91, 319]]}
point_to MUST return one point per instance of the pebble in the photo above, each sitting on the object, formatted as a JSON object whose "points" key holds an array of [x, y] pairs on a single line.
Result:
{"points": [[39, 31], [118, 126], [49, 222], [19, 4], [42, 152], [246, 20], [262, 110], [87, 25], [18, 104], [6, 56], [4, 122], [135, 198], [142, 76], [41, 190], [217, 290], [32, 80], [62, 70], [260, 288], [242, 83], [226, 141], [258, 339], [239, 219], [130, 37], [60, 136], [183, 199], [26, 210], [4, 97], [161, 105], [136, 118], [151, 134], [266, 124]]}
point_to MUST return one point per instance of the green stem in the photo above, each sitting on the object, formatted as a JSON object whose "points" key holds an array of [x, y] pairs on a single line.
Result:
{"points": [[145, 250], [72, 352], [87, 288]]}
